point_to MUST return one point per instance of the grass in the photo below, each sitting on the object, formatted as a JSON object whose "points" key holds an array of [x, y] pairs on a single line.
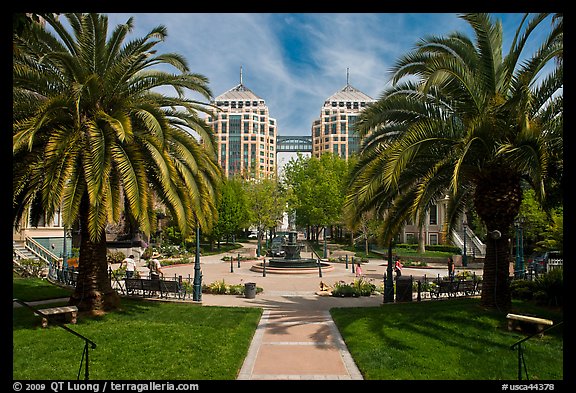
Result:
{"points": [[145, 341], [31, 289], [446, 340]]}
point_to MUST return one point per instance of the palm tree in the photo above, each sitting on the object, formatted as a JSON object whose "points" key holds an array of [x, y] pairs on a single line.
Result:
{"points": [[463, 120], [91, 129]]}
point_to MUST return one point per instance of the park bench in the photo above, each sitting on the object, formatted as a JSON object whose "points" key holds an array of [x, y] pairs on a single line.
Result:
{"points": [[468, 287], [528, 324], [172, 286], [449, 288], [148, 287], [68, 312]]}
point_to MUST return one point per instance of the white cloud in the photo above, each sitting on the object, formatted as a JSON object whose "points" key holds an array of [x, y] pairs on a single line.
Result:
{"points": [[293, 61]]}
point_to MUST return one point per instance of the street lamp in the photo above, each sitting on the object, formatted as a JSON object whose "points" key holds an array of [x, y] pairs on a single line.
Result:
{"points": [[388, 283], [197, 284], [465, 257], [519, 267], [325, 250]]}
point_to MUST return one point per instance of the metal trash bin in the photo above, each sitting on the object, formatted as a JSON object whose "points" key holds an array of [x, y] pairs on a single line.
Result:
{"points": [[404, 289], [250, 290]]}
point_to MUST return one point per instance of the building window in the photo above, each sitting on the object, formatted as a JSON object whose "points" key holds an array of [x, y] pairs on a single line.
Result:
{"points": [[433, 215], [411, 238], [433, 238]]}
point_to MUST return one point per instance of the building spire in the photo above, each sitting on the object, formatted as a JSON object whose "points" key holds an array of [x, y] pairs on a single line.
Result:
{"points": [[240, 74], [347, 76]]}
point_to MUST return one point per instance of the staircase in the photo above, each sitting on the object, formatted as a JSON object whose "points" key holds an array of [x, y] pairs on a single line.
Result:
{"points": [[474, 246], [20, 251], [31, 249]]}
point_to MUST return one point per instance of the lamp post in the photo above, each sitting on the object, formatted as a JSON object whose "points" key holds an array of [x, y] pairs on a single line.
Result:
{"points": [[325, 250], [388, 283], [64, 251], [465, 257], [519, 267], [197, 284]]}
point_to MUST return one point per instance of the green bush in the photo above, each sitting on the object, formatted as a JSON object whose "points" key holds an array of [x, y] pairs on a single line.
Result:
{"points": [[359, 287], [115, 256], [32, 267], [550, 288], [221, 288], [546, 289], [363, 287], [341, 289], [522, 289]]}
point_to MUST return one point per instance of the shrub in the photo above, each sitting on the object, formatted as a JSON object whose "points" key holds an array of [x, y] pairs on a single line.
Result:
{"points": [[359, 287], [550, 288], [363, 287], [341, 289], [112, 257], [221, 288], [32, 267], [522, 289], [546, 289]]}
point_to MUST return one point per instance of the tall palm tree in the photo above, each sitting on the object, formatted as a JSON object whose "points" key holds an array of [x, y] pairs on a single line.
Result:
{"points": [[91, 129], [464, 120]]}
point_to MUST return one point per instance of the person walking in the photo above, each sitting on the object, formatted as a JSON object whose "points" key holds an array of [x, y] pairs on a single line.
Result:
{"points": [[358, 270], [130, 265], [451, 268], [398, 267]]}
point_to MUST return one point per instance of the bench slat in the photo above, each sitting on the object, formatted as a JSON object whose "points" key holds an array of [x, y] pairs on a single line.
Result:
{"points": [[526, 318], [58, 310]]}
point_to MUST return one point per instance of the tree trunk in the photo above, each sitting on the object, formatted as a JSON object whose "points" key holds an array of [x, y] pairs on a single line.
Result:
{"points": [[421, 240], [496, 275], [497, 200], [93, 292]]}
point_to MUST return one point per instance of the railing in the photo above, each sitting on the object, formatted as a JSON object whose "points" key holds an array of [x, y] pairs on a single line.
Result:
{"points": [[474, 245], [518, 344], [40, 251], [86, 340]]}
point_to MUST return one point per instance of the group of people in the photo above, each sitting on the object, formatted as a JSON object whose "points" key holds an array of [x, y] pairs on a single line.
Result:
{"points": [[153, 264]]}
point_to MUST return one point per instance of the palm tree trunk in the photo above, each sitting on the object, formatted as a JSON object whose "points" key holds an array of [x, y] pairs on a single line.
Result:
{"points": [[93, 292], [495, 279], [497, 200]]}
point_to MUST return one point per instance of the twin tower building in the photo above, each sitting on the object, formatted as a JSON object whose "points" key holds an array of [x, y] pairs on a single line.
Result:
{"points": [[248, 140]]}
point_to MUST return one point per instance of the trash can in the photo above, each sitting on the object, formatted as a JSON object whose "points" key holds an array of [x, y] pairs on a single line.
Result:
{"points": [[250, 290], [404, 289]]}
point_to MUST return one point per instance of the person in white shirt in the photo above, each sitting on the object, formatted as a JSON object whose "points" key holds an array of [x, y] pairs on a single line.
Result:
{"points": [[130, 265]]}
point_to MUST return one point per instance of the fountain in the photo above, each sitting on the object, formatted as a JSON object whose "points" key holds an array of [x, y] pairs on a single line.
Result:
{"points": [[292, 262]]}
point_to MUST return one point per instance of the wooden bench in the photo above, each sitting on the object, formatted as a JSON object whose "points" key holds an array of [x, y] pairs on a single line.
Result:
{"points": [[69, 313], [527, 324], [449, 288]]}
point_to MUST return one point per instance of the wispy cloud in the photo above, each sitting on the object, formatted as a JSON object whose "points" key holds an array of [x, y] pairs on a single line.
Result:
{"points": [[295, 61]]}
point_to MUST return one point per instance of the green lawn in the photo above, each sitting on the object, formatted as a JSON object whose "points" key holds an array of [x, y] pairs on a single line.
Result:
{"points": [[446, 340], [146, 340], [31, 289]]}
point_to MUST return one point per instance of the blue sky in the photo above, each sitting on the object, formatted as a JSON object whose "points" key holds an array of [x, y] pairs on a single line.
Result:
{"points": [[294, 61]]}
